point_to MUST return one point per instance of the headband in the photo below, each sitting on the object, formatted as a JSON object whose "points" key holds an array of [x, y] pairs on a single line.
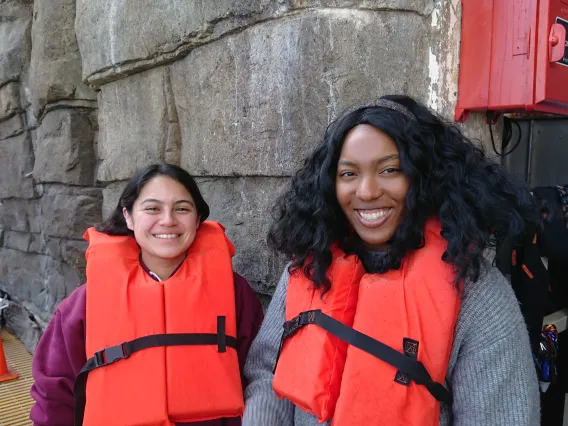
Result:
{"points": [[385, 103]]}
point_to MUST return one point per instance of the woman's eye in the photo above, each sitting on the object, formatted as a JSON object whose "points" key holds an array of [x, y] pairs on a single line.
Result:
{"points": [[182, 209], [151, 209], [390, 170], [346, 174]]}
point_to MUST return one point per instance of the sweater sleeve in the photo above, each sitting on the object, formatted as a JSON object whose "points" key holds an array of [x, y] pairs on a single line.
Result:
{"points": [[494, 380], [249, 318], [262, 406], [496, 386], [58, 358]]}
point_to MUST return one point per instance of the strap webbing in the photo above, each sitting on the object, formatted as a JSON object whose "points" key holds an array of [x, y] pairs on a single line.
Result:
{"points": [[112, 354], [407, 365]]}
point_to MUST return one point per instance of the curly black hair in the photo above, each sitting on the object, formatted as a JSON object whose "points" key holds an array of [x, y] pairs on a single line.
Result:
{"points": [[478, 203]]}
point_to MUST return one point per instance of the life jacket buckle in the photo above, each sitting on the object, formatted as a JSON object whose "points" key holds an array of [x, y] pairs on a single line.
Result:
{"points": [[110, 355], [292, 325]]}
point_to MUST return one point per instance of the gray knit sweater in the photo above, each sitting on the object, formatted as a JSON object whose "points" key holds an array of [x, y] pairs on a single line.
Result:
{"points": [[490, 373]]}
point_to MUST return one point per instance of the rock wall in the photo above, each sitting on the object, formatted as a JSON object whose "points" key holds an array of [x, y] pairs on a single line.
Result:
{"points": [[235, 91]]}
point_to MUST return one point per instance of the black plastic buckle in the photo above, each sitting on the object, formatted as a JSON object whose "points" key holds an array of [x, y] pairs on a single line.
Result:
{"points": [[291, 326], [110, 355]]}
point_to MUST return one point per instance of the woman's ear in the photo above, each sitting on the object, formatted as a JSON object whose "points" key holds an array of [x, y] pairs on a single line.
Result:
{"points": [[128, 219]]}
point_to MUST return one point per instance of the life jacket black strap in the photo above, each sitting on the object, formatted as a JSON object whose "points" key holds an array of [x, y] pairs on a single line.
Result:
{"points": [[409, 366], [113, 354]]}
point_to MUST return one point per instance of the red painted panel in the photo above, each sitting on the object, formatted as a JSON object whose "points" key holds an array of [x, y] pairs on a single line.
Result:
{"points": [[505, 56]]}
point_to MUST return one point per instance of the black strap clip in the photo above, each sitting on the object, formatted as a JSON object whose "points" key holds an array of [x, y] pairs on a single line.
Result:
{"points": [[304, 318], [110, 355], [291, 326]]}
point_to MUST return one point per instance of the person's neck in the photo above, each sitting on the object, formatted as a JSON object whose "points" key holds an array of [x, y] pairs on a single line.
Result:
{"points": [[163, 268]]}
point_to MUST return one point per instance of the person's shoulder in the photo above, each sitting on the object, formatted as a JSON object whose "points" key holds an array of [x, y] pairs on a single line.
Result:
{"points": [[244, 293], [489, 308], [74, 305], [491, 287], [241, 283]]}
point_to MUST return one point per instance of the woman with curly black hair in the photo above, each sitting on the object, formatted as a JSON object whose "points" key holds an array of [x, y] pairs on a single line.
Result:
{"points": [[391, 313]]}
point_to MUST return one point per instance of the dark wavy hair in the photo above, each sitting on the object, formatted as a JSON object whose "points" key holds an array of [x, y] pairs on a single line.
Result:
{"points": [[115, 224], [477, 201]]}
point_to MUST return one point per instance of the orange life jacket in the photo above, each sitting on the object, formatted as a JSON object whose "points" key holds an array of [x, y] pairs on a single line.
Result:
{"points": [[412, 311], [182, 361]]}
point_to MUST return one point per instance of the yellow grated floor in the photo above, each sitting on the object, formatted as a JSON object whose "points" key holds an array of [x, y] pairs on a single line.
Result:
{"points": [[15, 399]]}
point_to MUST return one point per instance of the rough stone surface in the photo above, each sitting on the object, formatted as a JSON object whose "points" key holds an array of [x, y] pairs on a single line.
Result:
{"points": [[9, 100], [39, 280], [11, 127], [43, 244], [55, 70], [16, 160], [73, 254], [15, 43], [118, 38], [17, 240], [256, 103], [64, 149], [243, 206], [111, 195], [66, 211], [20, 215], [138, 138], [421, 7]]}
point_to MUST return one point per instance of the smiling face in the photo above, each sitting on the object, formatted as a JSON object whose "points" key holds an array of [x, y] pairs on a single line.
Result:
{"points": [[370, 186], [164, 221]]}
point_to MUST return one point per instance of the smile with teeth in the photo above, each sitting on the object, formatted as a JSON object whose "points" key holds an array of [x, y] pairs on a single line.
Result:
{"points": [[374, 215], [167, 236]]}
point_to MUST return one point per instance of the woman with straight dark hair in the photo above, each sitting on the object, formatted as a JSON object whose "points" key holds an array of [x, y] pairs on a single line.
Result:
{"points": [[388, 313], [159, 334]]}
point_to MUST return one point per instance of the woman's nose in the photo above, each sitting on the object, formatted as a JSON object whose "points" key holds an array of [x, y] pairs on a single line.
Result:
{"points": [[168, 218], [369, 189]]}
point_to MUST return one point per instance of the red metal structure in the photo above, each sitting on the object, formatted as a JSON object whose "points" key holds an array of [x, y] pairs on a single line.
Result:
{"points": [[514, 57]]}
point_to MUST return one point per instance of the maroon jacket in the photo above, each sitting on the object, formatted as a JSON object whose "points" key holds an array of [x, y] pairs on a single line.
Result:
{"points": [[60, 355]]}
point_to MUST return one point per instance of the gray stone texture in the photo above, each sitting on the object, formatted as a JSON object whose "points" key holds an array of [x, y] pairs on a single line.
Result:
{"points": [[63, 146], [17, 240], [55, 69], [48, 134], [118, 38], [9, 100], [39, 280], [15, 43], [243, 206], [111, 195], [257, 102], [137, 138], [254, 103], [422, 7], [20, 215], [67, 211], [12, 126], [16, 161]]}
